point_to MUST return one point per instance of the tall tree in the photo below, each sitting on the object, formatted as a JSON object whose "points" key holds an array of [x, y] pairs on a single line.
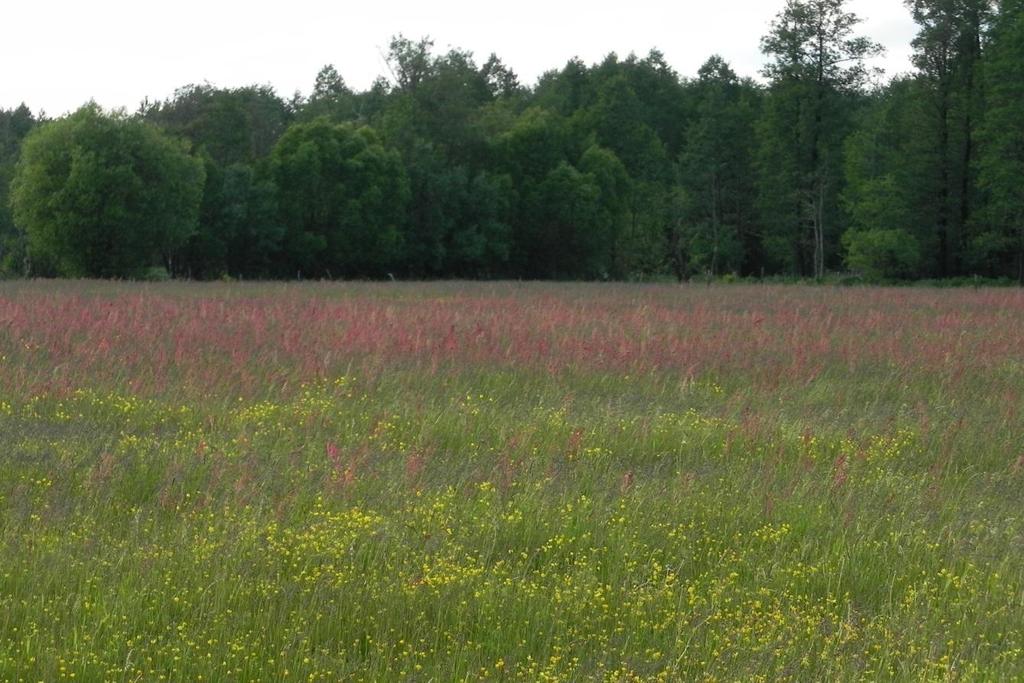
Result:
{"points": [[716, 169], [1002, 144], [233, 130], [815, 61], [330, 98], [238, 125], [342, 199], [410, 62], [599, 242], [565, 91], [15, 126], [105, 195], [500, 79], [947, 54], [888, 194], [239, 231], [538, 142], [459, 205], [617, 121]]}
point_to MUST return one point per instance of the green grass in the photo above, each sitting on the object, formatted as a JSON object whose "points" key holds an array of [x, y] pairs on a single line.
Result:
{"points": [[408, 522]]}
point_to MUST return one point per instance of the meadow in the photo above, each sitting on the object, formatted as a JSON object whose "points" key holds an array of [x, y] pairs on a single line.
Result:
{"points": [[536, 482]]}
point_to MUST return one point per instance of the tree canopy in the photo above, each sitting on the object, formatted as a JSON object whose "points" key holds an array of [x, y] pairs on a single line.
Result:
{"points": [[105, 195], [449, 166]]}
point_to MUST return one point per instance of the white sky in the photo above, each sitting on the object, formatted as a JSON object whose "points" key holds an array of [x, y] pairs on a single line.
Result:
{"points": [[57, 54]]}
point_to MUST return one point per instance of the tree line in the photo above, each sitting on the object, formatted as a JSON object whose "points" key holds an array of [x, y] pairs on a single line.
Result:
{"points": [[448, 167]]}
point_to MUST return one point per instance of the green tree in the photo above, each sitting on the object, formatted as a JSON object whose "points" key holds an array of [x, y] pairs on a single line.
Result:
{"points": [[439, 99], [439, 116], [457, 219], [410, 62], [481, 242], [601, 240], [948, 56], [1002, 145], [617, 122], [239, 231], [889, 167], [237, 125], [561, 210], [539, 142], [665, 106], [816, 63], [342, 198], [716, 170], [15, 125], [105, 195], [565, 91], [502, 82], [330, 98], [233, 130], [879, 254]]}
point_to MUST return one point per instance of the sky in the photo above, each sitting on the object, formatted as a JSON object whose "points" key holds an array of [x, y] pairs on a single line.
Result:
{"points": [[57, 54]]}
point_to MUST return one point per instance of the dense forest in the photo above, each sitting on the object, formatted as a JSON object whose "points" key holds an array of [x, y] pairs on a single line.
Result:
{"points": [[451, 167]]}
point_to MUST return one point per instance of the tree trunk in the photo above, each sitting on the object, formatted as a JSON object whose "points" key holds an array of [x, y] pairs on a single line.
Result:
{"points": [[819, 232], [715, 223], [971, 60], [1020, 253], [943, 217], [818, 177], [676, 245]]}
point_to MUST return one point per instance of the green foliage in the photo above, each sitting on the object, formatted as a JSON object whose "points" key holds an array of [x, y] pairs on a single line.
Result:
{"points": [[886, 237], [618, 169], [616, 121], [816, 64], [880, 254], [618, 125], [948, 52], [457, 219], [891, 168], [239, 125], [480, 243], [234, 130], [608, 174], [104, 195], [15, 125], [573, 202], [715, 172], [342, 198], [330, 98], [239, 229], [554, 214], [1002, 155]]}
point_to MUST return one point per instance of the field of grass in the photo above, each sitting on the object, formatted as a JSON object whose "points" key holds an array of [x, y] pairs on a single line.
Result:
{"points": [[446, 482]]}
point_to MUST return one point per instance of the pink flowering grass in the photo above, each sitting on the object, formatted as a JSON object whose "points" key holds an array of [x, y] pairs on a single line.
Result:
{"points": [[254, 339]]}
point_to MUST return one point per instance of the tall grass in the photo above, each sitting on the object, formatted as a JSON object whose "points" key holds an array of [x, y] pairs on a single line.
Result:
{"points": [[510, 482]]}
